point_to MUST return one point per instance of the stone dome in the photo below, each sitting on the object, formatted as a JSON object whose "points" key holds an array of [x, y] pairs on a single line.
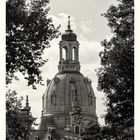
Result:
{"points": [[68, 35], [59, 95], [60, 92]]}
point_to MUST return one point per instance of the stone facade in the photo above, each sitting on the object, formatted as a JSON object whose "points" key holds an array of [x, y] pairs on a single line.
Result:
{"points": [[69, 102]]}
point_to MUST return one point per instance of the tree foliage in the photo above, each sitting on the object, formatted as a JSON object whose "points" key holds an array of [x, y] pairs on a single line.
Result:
{"points": [[18, 120], [91, 133], [97, 132], [116, 76], [28, 32], [13, 106]]}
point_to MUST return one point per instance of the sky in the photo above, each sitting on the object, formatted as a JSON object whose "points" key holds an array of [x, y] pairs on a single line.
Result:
{"points": [[91, 28]]}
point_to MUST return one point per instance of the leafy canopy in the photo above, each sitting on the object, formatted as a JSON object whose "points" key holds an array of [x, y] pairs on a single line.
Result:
{"points": [[116, 76], [18, 120], [28, 32], [13, 106]]}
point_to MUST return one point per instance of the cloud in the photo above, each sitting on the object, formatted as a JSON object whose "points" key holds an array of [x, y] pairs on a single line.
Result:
{"points": [[62, 19], [89, 52], [86, 26]]}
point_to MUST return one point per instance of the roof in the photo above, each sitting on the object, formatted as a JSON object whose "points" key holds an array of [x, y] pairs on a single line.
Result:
{"points": [[68, 35], [61, 90], [47, 121]]}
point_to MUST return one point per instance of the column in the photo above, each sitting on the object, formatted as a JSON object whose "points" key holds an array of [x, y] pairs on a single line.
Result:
{"points": [[60, 48]]}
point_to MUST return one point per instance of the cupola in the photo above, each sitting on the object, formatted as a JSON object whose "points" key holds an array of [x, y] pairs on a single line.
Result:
{"points": [[68, 35]]}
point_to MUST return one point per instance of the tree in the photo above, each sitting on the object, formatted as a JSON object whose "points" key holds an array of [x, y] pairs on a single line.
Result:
{"points": [[18, 120], [13, 106], [93, 132], [116, 76], [28, 32]]}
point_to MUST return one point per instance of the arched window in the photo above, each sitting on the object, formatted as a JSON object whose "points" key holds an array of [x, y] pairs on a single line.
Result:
{"points": [[49, 137], [74, 53], [90, 100], [64, 53], [77, 130], [53, 98], [36, 138]]}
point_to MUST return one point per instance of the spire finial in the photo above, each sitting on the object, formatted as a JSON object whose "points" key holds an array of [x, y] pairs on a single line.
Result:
{"points": [[27, 103], [69, 26]]}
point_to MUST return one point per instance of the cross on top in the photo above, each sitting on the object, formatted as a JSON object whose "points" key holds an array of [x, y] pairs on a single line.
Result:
{"points": [[69, 26]]}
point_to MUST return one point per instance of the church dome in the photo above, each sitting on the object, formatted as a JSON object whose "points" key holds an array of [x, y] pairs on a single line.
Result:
{"points": [[69, 102], [61, 90], [69, 93], [69, 36]]}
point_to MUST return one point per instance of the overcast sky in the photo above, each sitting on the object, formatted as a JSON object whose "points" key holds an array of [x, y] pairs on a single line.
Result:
{"points": [[91, 28]]}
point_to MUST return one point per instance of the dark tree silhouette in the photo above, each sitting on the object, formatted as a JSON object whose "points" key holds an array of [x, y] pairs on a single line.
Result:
{"points": [[116, 76], [93, 132], [13, 106], [28, 32], [18, 120]]}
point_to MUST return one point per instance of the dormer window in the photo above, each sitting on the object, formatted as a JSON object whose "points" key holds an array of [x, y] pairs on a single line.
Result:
{"points": [[90, 99], [53, 98], [76, 129]]}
